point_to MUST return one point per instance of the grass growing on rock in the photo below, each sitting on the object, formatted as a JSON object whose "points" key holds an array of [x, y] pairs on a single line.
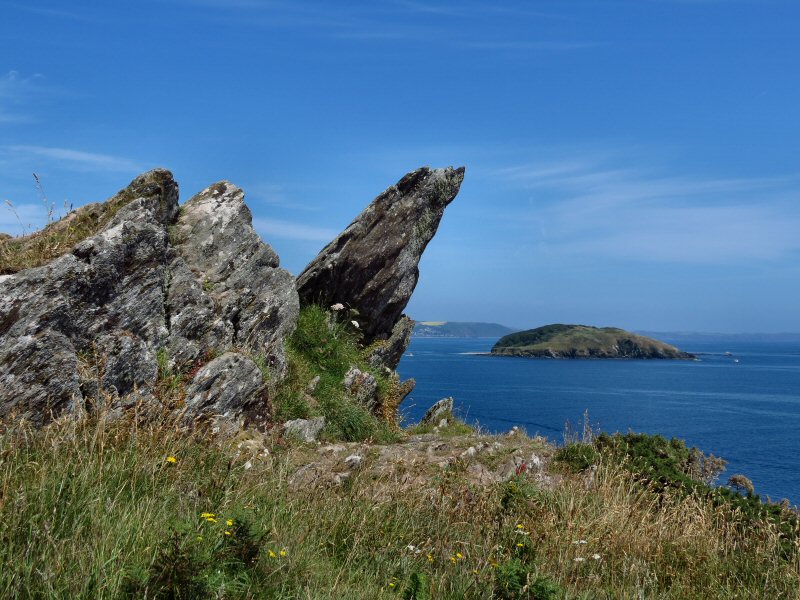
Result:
{"points": [[91, 508], [326, 345]]}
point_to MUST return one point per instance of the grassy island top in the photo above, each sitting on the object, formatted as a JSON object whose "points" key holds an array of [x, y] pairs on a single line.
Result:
{"points": [[584, 341]]}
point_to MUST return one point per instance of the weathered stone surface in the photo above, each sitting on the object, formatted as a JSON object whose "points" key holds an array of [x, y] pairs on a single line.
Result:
{"points": [[362, 386], [372, 265], [51, 317], [441, 409], [229, 386], [387, 353], [227, 287], [190, 283], [306, 430]]}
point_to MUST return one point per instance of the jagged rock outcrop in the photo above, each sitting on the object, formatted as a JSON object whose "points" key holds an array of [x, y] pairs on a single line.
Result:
{"points": [[387, 353], [372, 266], [155, 287]]}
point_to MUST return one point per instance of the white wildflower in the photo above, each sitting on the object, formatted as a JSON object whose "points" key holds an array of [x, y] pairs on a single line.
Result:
{"points": [[596, 556], [337, 307], [579, 559], [579, 542], [355, 324]]}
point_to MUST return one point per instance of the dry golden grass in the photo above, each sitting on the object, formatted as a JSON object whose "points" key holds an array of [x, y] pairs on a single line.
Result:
{"points": [[91, 508]]}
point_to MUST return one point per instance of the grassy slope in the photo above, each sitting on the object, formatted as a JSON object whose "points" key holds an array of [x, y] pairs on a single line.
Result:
{"points": [[91, 508], [580, 338], [95, 510]]}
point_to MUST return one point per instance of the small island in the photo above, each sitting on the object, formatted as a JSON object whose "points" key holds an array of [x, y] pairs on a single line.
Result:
{"points": [[583, 341]]}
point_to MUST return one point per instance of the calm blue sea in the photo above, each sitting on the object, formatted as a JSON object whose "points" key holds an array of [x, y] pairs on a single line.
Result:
{"points": [[747, 412]]}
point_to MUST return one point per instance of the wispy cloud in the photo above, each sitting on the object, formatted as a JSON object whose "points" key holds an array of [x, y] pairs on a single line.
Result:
{"points": [[21, 219], [73, 159], [58, 13], [582, 209], [289, 230], [423, 21], [531, 45], [279, 195], [14, 91]]}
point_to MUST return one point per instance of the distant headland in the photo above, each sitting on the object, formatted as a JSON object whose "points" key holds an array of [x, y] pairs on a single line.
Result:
{"points": [[459, 329], [583, 341]]}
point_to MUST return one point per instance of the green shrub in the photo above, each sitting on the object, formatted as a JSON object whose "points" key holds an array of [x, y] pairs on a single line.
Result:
{"points": [[326, 345], [576, 457]]}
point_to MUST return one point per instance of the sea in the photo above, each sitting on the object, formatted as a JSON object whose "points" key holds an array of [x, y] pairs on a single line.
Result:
{"points": [[740, 400]]}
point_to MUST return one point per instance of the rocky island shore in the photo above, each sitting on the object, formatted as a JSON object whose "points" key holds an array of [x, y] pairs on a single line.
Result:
{"points": [[581, 341]]}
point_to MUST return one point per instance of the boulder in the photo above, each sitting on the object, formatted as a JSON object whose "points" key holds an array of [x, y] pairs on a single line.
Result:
{"points": [[372, 266], [306, 430], [442, 409], [229, 386], [362, 386], [151, 287]]}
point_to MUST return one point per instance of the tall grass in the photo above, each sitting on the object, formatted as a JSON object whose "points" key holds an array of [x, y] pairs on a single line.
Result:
{"points": [[91, 508]]}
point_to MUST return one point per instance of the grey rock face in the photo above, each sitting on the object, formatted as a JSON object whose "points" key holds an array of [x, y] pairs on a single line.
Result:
{"points": [[372, 265], [226, 287], [362, 386], [191, 285], [228, 386], [55, 318], [443, 408], [387, 353], [306, 430]]}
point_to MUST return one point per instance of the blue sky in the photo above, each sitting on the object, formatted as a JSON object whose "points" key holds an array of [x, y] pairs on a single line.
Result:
{"points": [[629, 162]]}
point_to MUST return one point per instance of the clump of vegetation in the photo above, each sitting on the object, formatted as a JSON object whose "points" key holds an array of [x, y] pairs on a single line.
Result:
{"points": [[323, 348], [669, 466]]}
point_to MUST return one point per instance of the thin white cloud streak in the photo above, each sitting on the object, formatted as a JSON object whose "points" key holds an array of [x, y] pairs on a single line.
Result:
{"points": [[21, 219], [288, 230], [627, 214], [14, 90], [74, 159], [531, 45], [278, 195]]}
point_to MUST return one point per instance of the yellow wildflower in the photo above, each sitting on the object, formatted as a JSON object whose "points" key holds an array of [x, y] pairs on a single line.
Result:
{"points": [[227, 533], [519, 526], [520, 544], [211, 519], [172, 459], [272, 554], [430, 558], [283, 553], [459, 556], [453, 559], [229, 522], [207, 515]]}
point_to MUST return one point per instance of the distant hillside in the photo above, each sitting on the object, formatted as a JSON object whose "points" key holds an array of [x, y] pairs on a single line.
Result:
{"points": [[459, 329], [582, 341]]}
